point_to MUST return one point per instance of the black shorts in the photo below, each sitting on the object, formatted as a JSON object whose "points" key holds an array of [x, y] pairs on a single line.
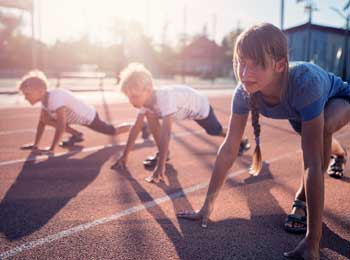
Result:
{"points": [[101, 127], [210, 124], [296, 125]]}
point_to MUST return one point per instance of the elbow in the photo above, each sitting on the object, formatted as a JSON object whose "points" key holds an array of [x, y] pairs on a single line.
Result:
{"points": [[227, 154]]}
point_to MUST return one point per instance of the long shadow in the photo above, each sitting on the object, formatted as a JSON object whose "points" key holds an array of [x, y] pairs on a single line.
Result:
{"points": [[190, 240], [42, 189], [181, 239], [243, 160], [260, 201]]}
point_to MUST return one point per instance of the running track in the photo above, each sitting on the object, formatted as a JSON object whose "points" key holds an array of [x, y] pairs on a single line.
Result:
{"points": [[73, 206]]}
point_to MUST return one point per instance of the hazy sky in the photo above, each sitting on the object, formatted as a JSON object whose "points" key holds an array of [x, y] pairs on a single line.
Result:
{"points": [[69, 19]]}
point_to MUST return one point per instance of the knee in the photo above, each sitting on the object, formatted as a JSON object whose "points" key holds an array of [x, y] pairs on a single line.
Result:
{"points": [[215, 131]]}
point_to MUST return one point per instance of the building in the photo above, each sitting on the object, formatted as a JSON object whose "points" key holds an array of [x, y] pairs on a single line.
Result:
{"points": [[321, 45], [202, 57]]}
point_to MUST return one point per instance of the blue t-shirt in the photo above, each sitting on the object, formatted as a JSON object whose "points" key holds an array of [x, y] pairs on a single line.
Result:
{"points": [[309, 89]]}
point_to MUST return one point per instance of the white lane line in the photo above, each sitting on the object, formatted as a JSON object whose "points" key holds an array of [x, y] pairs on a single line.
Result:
{"points": [[25, 130], [85, 150], [80, 228], [18, 131]]}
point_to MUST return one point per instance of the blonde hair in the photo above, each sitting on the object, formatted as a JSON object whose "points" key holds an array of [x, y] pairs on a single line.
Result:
{"points": [[260, 43], [34, 78], [135, 77]]}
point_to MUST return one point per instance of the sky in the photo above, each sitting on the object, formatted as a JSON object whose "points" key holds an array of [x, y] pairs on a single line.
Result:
{"points": [[70, 19]]}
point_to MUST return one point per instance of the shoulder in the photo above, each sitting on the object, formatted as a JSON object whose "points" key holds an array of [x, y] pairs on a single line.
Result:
{"points": [[308, 89], [57, 98], [306, 82], [240, 93], [303, 74], [58, 92], [240, 100]]}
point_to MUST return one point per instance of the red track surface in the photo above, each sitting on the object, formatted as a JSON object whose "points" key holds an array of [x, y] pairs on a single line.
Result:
{"points": [[58, 208]]}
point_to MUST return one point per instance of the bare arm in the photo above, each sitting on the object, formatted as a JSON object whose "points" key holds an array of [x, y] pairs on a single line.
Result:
{"points": [[60, 127], [40, 128], [123, 128], [312, 138], [135, 130], [165, 133], [39, 132], [226, 156]]}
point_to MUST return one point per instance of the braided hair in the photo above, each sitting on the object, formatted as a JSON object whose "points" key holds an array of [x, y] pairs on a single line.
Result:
{"points": [[257, 158]]}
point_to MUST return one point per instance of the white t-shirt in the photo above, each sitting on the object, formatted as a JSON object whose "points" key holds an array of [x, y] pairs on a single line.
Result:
{"points": [[77, 112], [182, 101]]}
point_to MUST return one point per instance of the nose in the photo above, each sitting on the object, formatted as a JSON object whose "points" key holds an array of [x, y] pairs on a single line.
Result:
{"points": [[245, 71]]}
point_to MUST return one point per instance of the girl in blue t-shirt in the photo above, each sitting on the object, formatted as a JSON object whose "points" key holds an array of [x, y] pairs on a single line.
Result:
{"points": [[316, 103]]}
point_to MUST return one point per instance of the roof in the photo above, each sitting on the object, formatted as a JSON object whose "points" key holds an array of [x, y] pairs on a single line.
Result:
{"points": [[316, 27]]}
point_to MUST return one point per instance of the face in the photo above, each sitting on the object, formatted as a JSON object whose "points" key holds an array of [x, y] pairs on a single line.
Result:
{"points": [[32, 95], [255, 77], [139, 98]]}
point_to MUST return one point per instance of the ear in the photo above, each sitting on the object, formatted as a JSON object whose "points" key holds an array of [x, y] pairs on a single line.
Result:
{"points": [[280, 65]]}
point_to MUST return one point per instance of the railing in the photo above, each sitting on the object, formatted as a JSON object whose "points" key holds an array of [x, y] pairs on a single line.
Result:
{"points": [[81, 75]]}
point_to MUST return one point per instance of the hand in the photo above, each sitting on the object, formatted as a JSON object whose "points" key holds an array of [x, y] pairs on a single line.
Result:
{"points": [[29, 147], [157, 176], [304, 250], [120, 163], [201, 215]]}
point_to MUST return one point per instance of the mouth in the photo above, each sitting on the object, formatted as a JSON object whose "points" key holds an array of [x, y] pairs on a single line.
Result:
{"points": [[248, 83]]}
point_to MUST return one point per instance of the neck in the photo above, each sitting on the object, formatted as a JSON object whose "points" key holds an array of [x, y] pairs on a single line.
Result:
{"points": [[151, 100], [274, 90], [45, 98]]}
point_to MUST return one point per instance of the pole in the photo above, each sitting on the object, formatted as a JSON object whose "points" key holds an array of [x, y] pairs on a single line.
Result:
{"points": [[183, 62], [346, 43], [34, 61], [282, 15], [309, 7]]}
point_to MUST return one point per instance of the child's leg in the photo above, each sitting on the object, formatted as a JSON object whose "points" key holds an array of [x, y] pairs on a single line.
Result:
{"points": [[108, 129], [213, 127], [337, 115], [337, 148]]}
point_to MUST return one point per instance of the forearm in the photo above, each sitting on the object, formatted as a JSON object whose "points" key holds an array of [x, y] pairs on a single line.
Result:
{"points": [[314, 190], [60, 128], [163, 147], [223, 163], [123, 128], [39, 133], [135, 130]]}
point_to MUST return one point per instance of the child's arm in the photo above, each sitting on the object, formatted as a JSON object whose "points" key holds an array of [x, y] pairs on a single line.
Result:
{"points": [[135, 130], [123, 128], [314, 142], [60, 127], [39, 132], [165, 133], [227, 154]]}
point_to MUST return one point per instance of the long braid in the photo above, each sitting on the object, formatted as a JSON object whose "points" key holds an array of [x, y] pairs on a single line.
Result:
{"points": [[257, 159]]}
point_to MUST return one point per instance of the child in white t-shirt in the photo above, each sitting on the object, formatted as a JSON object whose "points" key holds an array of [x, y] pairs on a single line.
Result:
{"points": [[61, 109], [170, 103]]}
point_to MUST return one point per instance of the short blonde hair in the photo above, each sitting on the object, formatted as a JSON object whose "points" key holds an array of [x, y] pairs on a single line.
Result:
{"points": [[34, 78], [135, 77]]}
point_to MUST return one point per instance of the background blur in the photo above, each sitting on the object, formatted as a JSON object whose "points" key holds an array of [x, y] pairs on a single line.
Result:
{"points": [[88, 42]]}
